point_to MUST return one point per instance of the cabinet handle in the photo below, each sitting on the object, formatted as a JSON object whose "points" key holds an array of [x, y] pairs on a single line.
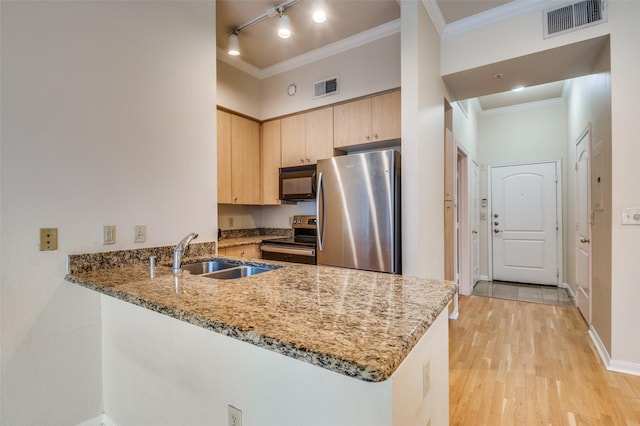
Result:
{"points": [[235, 199], [375, 135], [367, 137], [302, 160]]}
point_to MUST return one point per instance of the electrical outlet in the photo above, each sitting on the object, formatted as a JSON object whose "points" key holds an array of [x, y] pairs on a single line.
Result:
{"points": [[235, 416], [140, 234], [108, 234], [48, 239], [426, 378]]}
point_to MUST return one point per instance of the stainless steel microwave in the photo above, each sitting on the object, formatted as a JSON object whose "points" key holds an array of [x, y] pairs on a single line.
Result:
{"points": [[298, 183]]}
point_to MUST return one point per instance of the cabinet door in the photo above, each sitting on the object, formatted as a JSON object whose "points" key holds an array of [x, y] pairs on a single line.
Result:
{"points": [[385, 117], [352, 123], [270, 154], [248, 251], [293, 140], [319, 134], [224, 157], [245, 158]]}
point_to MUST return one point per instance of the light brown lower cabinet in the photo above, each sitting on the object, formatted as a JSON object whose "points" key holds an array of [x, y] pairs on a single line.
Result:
{"points": [[248, 251]]}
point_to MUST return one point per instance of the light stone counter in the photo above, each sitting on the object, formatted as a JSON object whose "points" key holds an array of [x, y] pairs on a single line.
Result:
{"points": [[357, 323]]}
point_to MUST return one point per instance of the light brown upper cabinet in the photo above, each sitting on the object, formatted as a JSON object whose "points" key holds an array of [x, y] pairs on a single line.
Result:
{"points": [[367, 120], [224, 157], [307, 137], [238, 159], [270, 156]]}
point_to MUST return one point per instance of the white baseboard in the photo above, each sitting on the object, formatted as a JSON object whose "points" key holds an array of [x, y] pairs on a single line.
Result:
{"points": [[484, 278], [569, 290], [100, 420], [616, 366]]}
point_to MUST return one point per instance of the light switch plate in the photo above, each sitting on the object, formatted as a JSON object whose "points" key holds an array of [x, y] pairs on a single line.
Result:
{"points": [[140, 233], [631, 216]]}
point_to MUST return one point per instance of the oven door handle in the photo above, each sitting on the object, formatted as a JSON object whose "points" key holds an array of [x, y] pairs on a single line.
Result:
{"points": [[320, 217], [285, 250]]}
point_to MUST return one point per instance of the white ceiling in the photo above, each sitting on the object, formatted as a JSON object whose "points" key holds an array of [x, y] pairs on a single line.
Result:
{"points": [[262, 50]]}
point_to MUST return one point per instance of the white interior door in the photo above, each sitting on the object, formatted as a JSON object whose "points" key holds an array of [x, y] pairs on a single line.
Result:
{"points": [[475, 223], [583, 229], [524, 223]]}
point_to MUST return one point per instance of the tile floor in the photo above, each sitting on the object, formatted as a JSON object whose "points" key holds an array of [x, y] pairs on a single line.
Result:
{"points": [[544, 294]]}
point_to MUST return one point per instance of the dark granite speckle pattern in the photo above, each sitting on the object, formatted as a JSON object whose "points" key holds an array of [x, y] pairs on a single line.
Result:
{"points": [[361, 324], [241, 241], [255, 232]]}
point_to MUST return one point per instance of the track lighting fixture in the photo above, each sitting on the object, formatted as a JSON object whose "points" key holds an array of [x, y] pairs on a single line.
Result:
{"points": [[284, 22], [319, 11], [284, 26], [233, 44]]}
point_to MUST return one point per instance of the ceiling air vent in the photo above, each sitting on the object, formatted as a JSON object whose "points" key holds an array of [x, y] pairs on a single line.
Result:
{"points": [[325, 87], [573, 16]]}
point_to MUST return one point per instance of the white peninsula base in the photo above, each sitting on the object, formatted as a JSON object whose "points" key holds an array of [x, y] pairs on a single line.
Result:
{"points": [[161, 371]]}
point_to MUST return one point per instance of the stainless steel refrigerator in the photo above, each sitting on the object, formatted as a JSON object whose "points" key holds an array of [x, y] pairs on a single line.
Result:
{"points": [[358, 211]]}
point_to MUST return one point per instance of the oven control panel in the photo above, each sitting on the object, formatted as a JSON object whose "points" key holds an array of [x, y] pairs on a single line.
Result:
{"points": [[308, 222]]}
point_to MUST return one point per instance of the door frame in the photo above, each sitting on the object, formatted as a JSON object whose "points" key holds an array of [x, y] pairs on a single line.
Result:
{"points": [[586, 133], [463, 228], [559, 217]]}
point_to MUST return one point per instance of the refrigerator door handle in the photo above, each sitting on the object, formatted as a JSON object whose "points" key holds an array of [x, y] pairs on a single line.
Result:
{"points": [[320, 218]]}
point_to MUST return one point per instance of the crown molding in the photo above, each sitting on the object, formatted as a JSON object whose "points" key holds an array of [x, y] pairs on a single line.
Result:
{"points": [[236, 62], [434, 12], [509, 10], [365, 37], [520, 107]]}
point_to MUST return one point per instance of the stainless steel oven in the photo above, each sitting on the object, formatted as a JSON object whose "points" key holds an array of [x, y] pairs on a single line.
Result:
{"points": [[301, 248]]}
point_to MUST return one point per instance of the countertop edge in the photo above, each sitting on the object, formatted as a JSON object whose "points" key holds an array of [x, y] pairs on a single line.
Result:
{"points": [[322, 360]]}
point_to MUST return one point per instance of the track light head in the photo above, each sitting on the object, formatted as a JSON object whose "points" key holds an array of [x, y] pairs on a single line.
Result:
{"points": [[284, 27], [233, 45], [319, 11]]}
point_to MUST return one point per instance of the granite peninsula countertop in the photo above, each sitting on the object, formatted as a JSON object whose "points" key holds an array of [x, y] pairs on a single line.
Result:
{"points": [[361, 324]]}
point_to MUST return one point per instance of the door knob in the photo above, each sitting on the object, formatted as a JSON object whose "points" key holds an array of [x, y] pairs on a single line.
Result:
{"points": [[475, 231], [495, 215], [585, 240], [495, 231], [495, 223]]}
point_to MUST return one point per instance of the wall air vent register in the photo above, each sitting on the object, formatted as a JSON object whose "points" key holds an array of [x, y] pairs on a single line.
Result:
{"points": [[574, 16], [325, 87]]}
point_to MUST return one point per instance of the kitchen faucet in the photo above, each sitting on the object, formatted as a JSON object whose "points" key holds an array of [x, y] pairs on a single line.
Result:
{"points": [[180, 249]]}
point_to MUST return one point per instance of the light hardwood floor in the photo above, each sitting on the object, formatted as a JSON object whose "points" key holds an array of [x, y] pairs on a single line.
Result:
{"points": [[519, 363]]}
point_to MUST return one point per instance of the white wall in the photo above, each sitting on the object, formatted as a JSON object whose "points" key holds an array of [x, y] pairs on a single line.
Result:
{"points": [[159, 370], [108, 117], [245, 217], [238, 90], [625, 243], [366, 69], [423, 123]]}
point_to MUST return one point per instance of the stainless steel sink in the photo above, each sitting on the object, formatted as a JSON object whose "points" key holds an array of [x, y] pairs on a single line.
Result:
{"points": [[207, 267], [237, 272], [222, 270]]}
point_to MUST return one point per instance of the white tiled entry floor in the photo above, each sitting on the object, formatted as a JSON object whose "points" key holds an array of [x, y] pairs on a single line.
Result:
{"points": [[545, 294]]}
